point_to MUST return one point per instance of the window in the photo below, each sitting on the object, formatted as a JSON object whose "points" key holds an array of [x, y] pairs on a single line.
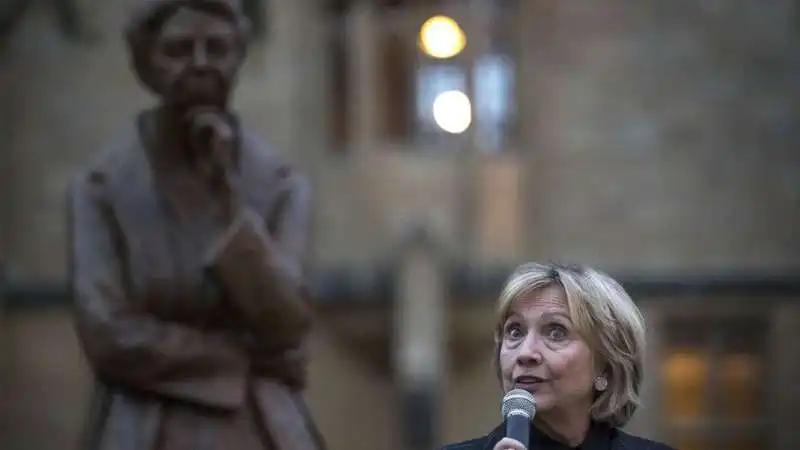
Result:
{"points": [[432, 82], [486, 79], [421, 100], [713, 383], [494, 101]]}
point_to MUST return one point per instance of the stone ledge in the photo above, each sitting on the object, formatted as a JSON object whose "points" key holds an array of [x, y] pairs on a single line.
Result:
{"points": [[358, 287]]}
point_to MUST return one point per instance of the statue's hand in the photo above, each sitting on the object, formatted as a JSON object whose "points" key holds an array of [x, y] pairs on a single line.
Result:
{"points": [[213, 140], [290, 366]]}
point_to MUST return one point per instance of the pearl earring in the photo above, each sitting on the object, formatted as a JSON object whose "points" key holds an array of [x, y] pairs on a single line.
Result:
{"points": [[600, 383]]}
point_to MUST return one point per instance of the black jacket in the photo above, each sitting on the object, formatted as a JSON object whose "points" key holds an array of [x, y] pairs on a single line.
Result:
{"points": [[598, 438]]}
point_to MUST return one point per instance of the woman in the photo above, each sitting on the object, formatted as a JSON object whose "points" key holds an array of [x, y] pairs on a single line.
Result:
{"points": [[574, 339], [188, 242]]}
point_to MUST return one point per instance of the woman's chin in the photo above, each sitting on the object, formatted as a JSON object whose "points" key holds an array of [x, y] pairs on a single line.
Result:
{"points": [[544, 402]]}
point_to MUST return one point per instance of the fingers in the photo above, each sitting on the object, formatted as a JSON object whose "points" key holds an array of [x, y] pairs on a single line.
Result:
{"points": [[211, 133], [216, 124], [291, 367], [509, 444], [212, 140]]}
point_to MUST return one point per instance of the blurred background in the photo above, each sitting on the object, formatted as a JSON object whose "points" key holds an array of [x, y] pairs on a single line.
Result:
{"points": [[448, 141]]}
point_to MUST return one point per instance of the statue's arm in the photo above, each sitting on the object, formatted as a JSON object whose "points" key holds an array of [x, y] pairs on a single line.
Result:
{"points": [[124, 344], [262, 271]]}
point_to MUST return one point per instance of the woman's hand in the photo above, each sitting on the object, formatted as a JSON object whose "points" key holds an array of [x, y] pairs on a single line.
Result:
{"points": [[509, 444]]}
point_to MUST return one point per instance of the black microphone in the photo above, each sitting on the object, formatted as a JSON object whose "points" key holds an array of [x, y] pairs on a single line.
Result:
{"points": [[518, 410]]}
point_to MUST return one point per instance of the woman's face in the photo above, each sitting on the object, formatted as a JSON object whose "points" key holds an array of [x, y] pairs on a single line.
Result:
{"points": [[542, 353], [196, 58]]}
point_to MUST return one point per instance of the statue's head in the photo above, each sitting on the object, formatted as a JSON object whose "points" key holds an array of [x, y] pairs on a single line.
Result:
{"points": [[188, 52]]}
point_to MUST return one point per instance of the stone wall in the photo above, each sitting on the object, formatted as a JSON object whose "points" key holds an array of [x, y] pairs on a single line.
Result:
{"points": [[663, 136], [655, 137]]}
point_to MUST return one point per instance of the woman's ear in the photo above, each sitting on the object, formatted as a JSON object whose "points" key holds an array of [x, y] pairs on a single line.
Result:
{"points": [[601, 377], [600, 383]]}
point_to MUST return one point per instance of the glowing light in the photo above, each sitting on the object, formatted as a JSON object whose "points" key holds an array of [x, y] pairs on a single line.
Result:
{"points": [[452, 111], [441, 37]]}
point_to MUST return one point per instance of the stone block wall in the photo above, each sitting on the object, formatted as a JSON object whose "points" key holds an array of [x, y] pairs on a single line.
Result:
{"points": [[663, 134]]}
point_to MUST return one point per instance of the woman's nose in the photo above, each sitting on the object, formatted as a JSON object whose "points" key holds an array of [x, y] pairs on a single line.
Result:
{"points": [[529, 352], [200, 58]]}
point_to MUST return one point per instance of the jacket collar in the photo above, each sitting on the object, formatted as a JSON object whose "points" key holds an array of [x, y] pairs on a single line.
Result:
{"points": [[599, 437]]}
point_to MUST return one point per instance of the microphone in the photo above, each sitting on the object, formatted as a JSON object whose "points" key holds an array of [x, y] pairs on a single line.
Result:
{"points": [[518, 410]]}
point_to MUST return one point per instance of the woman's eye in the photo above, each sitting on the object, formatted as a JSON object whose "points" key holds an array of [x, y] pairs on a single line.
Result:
{"points": [[217, 47], [177, 48], [514, 331], [556, 332]]}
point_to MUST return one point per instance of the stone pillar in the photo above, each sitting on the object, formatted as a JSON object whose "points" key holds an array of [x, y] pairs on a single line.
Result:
{"points": [[785, 373], [533, 27], [419, 340], [474, 19], [362, 40]]}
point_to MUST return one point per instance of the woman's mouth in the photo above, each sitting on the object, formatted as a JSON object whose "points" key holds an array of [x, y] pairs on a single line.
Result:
{"points": [[528, 381]]}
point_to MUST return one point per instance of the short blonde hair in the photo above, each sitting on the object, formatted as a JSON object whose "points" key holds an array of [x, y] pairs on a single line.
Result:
{"points": [[604, 315]]}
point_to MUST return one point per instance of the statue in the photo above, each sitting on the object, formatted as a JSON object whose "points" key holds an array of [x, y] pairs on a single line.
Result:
{"points": [[188, 242]]}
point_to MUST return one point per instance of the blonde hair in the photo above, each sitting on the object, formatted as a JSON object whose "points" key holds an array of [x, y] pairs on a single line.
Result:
{"points": [[604, 315]]}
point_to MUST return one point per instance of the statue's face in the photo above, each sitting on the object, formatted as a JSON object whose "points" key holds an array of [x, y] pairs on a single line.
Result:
{"points": [[196, 58]]}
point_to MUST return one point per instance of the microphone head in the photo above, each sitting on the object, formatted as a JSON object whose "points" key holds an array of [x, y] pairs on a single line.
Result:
{"points": [[518, 401]]}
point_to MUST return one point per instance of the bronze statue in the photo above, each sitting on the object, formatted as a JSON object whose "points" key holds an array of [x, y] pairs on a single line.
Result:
{"points": [[188, 244]]}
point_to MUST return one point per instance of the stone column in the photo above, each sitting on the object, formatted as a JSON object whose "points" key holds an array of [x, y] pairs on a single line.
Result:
{"points": [[419, 340], [475, 21], [362, 40], [533, 37]]}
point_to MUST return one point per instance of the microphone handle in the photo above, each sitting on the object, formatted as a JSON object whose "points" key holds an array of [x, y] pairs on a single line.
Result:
{"points": [[518, 427]]}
